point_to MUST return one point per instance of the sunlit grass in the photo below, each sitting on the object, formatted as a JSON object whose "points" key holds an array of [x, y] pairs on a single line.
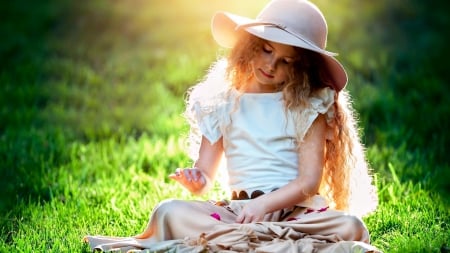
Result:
{"points": [[91, 97]]}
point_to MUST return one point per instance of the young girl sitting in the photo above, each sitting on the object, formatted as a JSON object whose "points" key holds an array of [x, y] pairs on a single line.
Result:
{"points": [[276, 110]]}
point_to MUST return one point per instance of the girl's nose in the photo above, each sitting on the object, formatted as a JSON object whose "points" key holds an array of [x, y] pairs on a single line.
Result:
{"points": [[272, 63]]}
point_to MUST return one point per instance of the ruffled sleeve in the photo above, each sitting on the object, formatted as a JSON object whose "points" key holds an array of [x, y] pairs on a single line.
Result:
{"points": [[319, 103], [210, 116], [208, 121], [322, 102], [205, 118]]}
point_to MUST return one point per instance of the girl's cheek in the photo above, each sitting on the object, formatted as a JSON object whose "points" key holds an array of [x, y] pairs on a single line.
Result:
{"points": [[283, 74]]}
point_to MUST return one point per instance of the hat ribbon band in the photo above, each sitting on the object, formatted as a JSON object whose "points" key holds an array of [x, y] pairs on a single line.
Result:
{"points": [[284, 28]]}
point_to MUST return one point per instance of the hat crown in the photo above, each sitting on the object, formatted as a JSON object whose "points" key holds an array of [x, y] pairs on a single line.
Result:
{"points": [[299, 17]]}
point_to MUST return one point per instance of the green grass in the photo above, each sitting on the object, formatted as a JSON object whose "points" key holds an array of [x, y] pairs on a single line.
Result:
{"points": [[91, 97]]}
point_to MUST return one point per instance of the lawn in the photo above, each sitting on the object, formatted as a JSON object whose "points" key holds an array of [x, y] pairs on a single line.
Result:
{"points": [[91, 97]]}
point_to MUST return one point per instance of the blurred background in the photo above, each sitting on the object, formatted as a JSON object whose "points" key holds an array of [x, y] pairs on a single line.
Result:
{"points": [[93, 91]]}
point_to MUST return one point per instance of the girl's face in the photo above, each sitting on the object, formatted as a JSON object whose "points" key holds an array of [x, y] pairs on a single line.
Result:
{"points": [[270, 66]]}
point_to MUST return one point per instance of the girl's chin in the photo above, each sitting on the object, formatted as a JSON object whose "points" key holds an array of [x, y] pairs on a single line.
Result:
{"points": [[266, 82]]}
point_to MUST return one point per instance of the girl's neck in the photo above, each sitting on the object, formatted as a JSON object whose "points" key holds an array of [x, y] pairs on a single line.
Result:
{"points": [[253, 87]]}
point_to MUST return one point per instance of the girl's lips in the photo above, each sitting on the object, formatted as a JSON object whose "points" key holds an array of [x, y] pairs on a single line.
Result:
{"points": [[265, 74]]}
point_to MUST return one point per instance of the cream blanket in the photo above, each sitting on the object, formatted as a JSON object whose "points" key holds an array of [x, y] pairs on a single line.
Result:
{"points": [[253, 237]]}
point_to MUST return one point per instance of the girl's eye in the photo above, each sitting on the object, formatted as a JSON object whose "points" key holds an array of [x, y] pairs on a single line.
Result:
{"points": [[286, 61], [267, 50]]}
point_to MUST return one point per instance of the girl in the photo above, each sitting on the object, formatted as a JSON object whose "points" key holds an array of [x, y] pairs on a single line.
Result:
{"points": [[275, 109]]}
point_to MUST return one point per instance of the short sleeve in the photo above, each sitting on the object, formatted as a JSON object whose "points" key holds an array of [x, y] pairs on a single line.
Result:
{"points": [[322, 100], [211, 116], [207, 117], [319, 103]]}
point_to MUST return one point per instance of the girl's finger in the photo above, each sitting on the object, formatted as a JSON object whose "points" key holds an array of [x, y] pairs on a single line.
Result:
{"points": [[197, 175], [188, 174], [176, 174], [194, 174]]}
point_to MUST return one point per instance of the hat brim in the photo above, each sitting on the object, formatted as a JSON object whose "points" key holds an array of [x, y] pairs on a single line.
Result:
{"points": [[226, 26]]}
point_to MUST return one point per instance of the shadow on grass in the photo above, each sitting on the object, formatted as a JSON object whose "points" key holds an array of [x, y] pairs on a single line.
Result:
{"points": [[30, 148], [411, 110], [55, 56]]}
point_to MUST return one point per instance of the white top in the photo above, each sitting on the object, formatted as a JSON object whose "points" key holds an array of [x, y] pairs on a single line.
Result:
{"points": [[259, 136]]}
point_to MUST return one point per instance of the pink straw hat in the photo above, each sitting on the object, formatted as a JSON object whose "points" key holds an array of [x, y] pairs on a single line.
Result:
{"points": [[297, 23]]}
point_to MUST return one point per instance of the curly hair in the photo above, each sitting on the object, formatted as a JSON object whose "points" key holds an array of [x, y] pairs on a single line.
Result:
{"points": [[346, 181]]}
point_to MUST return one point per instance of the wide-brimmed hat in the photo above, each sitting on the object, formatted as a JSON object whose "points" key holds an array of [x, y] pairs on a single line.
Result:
{"points": [[297, 23]]}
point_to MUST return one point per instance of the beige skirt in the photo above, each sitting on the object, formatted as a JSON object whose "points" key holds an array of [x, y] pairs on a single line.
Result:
{"points": [[207, 226]]}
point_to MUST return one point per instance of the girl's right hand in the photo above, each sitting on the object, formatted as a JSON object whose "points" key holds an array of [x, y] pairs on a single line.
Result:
{"points": [[191, 178]]}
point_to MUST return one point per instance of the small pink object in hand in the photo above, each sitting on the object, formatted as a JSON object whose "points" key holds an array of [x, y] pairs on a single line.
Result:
{"points": [[323, 209], [215, 216]]}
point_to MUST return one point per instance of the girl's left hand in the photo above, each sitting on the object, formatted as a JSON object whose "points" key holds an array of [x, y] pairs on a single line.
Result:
{"points": [[191, 178], [253, 211]]}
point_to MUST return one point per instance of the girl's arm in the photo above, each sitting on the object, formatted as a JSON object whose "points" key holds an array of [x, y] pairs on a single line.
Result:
{"points": [[310, 168], [198, 179]]}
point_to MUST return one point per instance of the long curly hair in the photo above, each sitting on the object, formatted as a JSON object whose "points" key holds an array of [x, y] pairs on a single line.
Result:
{"points": [[346, 181]]}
